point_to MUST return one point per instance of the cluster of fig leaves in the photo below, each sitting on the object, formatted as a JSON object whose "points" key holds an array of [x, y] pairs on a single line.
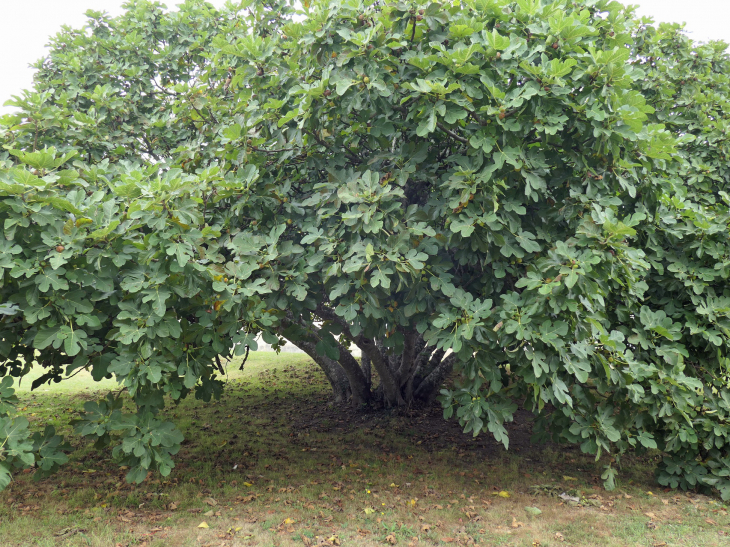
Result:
{"points": [[537, 186]]}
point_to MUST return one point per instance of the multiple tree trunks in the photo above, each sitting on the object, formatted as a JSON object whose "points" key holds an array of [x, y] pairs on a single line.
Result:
{"points": [[412, 376]]}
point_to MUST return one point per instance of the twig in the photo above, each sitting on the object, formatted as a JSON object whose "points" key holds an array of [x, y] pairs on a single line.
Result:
{"points": [[257, 149], [451, 133]]}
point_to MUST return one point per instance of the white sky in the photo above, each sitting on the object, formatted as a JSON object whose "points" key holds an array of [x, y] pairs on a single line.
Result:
{"points": [[26, 25]]}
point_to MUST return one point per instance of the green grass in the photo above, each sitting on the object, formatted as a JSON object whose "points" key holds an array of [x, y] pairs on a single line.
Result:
{"points": [[275, 463]]}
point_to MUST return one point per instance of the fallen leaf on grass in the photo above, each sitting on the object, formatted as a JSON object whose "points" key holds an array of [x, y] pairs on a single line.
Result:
{"points": [[211, 502], [559, 536], [534, 511], [289, 521], [391, 539], [447, 540], [568, 478], [69, 531], [710, 521], [501, 494], [369, 510], [566, 497], [661, 544], [425, 528], [203, 525], [516, 523]]}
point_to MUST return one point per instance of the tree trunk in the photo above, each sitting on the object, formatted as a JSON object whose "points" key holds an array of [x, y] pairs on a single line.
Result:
{"points": [[357, 383], [413, 376], [427, 389], [332, 370]]}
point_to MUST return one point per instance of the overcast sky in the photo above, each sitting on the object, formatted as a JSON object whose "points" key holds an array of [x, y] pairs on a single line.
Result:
{"points": [[26, 25]]}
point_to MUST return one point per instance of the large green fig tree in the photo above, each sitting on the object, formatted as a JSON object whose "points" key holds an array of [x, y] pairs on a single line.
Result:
{"points": [[531, 194]]}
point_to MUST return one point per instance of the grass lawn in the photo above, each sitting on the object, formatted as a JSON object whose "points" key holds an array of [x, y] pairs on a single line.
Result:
{"points": [[273, 463]]}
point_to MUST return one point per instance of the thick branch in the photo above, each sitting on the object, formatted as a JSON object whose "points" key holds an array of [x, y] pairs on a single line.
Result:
{"points": [[451, 133], [368, 347], [408, 358], [426, 390], [336, 376], [358, 383]]}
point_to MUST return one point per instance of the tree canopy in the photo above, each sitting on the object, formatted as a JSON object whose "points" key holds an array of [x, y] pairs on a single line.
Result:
{"points": [[533, 193]]}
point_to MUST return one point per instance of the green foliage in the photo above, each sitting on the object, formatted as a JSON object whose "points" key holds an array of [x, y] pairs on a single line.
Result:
{"points": [[539, 187], [19, 449]]}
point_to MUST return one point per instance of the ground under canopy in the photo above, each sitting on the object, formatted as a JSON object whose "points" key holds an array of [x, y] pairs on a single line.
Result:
{"points": [[275, 463]]}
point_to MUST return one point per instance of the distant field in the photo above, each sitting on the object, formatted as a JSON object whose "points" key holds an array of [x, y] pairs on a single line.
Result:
{"points": [[83, 382]]}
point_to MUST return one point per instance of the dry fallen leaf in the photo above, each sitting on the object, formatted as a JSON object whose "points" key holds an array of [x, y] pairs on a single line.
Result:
{"points": [[559, 536], [289, 521], [516, 523], [211, 502], [203, 525], [391, 539], [710, 521]]}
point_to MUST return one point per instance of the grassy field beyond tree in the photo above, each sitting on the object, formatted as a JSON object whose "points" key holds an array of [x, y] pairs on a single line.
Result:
{"points": [[273, 463]]}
